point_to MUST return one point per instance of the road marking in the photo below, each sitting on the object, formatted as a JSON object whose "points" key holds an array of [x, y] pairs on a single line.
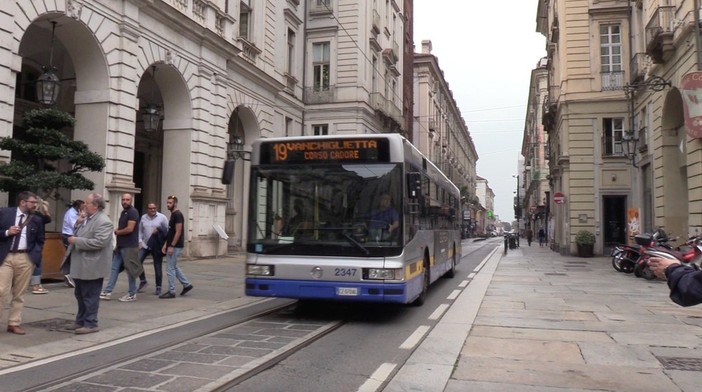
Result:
{"points": [[464, 283], [471, 275], [415, 337], [454, 294], [377, 378], [438, 312]]}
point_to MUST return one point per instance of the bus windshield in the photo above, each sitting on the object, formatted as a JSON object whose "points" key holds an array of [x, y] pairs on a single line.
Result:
{"points": [[330, 209]]}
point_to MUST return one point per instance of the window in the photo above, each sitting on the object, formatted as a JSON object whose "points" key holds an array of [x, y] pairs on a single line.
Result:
{"points": [[288, 126], [244, 21], [611, 56], [321, 66], [290, 66], [374, 78], [613, 132], [320, 129]]}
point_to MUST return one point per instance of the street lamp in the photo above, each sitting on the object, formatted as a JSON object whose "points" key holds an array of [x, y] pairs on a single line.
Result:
{"points": [[235, 151], [630, 137], [48, 84]]}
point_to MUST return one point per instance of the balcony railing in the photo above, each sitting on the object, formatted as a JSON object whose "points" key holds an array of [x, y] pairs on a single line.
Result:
{"points": [[612, 80], [207, 15], [659, 33], [320, 7], [316, 95]]}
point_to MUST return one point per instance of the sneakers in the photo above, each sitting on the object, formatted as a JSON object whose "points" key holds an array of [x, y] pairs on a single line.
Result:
{"points": [[85, 330], [142, 286], [167, 294], [68, 281], [106, 296], [128, 298], [38, 289], [158, 291], [186, 289]]}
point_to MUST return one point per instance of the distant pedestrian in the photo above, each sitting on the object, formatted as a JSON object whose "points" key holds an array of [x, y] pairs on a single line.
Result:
{"points": [[126, 255], [42, 212], [90, 252], [173, 248], [529, 235], [542, 237], [153, 228], [74, 213], [21, 243]]}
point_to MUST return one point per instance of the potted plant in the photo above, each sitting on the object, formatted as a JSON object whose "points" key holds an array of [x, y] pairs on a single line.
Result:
{"points": [[45, 159], [585, 242]]}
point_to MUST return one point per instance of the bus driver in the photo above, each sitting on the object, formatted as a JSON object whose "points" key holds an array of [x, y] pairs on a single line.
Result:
{"points": [[383, 222]]}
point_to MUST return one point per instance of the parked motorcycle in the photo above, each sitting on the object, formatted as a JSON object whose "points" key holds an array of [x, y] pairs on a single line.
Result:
{"points": [[690, 254], [624, 257]]}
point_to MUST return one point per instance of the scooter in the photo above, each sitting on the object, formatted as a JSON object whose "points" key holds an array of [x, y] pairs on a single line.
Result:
{"points": [[658, 240]]}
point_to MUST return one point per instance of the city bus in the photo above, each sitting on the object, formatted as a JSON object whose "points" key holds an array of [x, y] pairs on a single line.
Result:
{"points": [[362, 218]]}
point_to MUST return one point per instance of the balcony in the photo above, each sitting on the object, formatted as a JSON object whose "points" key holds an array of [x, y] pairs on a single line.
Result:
{"points": [[433, 124], [639, 67], [315, 95], [207, 15], [386, 107], [249, 51], [612, 80], [659, 34]]}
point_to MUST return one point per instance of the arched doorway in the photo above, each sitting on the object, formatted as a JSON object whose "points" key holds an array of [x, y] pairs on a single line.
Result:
{"points": [[148, 144], [242, 129], [674, 165]]}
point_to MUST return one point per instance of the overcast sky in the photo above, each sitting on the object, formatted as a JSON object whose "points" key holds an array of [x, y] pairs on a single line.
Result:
{"points": [[487, 50]]}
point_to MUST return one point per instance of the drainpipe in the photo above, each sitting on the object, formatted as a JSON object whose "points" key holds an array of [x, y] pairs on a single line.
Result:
{"points": [[304, 69], [698, 44]]}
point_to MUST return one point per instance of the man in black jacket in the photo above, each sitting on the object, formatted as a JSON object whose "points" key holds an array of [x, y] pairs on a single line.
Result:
{"points": [[685, 282]]}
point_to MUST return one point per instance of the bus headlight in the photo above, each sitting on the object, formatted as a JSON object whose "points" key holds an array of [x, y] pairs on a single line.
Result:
{"points": [[259, 270], [385, 274]]}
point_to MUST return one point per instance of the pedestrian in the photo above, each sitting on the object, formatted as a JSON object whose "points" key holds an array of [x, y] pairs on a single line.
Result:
{"points": [[74, 212], [21, 243], [529, 235], [542, 237], [41, 212], [126, 253], [173, 247], [153, 228], [89, 253]]}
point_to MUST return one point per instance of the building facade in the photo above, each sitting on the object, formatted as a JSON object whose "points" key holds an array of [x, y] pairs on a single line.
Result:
{"points": [[536, 200], [218, 74], [621, 151], [486, 222]]}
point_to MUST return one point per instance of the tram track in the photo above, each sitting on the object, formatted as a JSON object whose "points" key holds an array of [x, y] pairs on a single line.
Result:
{"points": [[73, 368]]}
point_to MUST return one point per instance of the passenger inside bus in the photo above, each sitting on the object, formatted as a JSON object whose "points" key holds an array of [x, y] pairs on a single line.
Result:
{"points": [[384, 221], [298, 221]]}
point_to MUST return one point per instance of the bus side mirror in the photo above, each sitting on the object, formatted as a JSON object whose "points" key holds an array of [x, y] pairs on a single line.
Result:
{"points": [[228, 172], [414, 184]]}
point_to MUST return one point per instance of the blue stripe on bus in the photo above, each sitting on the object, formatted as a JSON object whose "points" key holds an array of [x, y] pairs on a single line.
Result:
{"points": [[307, 289]]}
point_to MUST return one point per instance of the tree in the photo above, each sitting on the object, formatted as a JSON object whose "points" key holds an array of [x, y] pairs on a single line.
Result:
{"points": [[45, 159]]}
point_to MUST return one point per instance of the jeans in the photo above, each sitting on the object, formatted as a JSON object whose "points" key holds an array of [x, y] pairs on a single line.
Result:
{"points": [[174, 271], [117, 263], [157, 256]]}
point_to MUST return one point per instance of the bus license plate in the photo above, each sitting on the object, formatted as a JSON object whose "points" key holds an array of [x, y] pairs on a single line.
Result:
{"points": [[346, 291]]}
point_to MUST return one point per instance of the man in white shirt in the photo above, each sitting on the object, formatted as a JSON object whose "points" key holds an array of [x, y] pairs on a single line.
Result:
{"points": [[67, 230], [153, 228]]}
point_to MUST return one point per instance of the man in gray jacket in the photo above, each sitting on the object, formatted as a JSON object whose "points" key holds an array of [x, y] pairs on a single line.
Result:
{"points": [[90, 254]]}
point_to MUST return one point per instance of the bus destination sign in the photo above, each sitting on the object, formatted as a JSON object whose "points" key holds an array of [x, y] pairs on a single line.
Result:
{"points": [[327, 150]]}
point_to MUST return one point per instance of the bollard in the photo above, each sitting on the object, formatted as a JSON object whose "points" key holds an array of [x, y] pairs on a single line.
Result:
{"points": [[506, 244]]}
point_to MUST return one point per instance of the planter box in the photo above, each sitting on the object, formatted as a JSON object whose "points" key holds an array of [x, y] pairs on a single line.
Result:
{"points": [[586, 250], [52, 256]]}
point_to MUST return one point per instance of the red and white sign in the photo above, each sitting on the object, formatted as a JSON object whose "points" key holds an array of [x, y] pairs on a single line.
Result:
{"points": [[691, 90], [558, 198]]}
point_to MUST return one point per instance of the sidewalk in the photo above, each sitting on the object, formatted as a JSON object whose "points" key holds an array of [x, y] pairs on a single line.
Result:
{"points": [[552, 323], [218, 285]]}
